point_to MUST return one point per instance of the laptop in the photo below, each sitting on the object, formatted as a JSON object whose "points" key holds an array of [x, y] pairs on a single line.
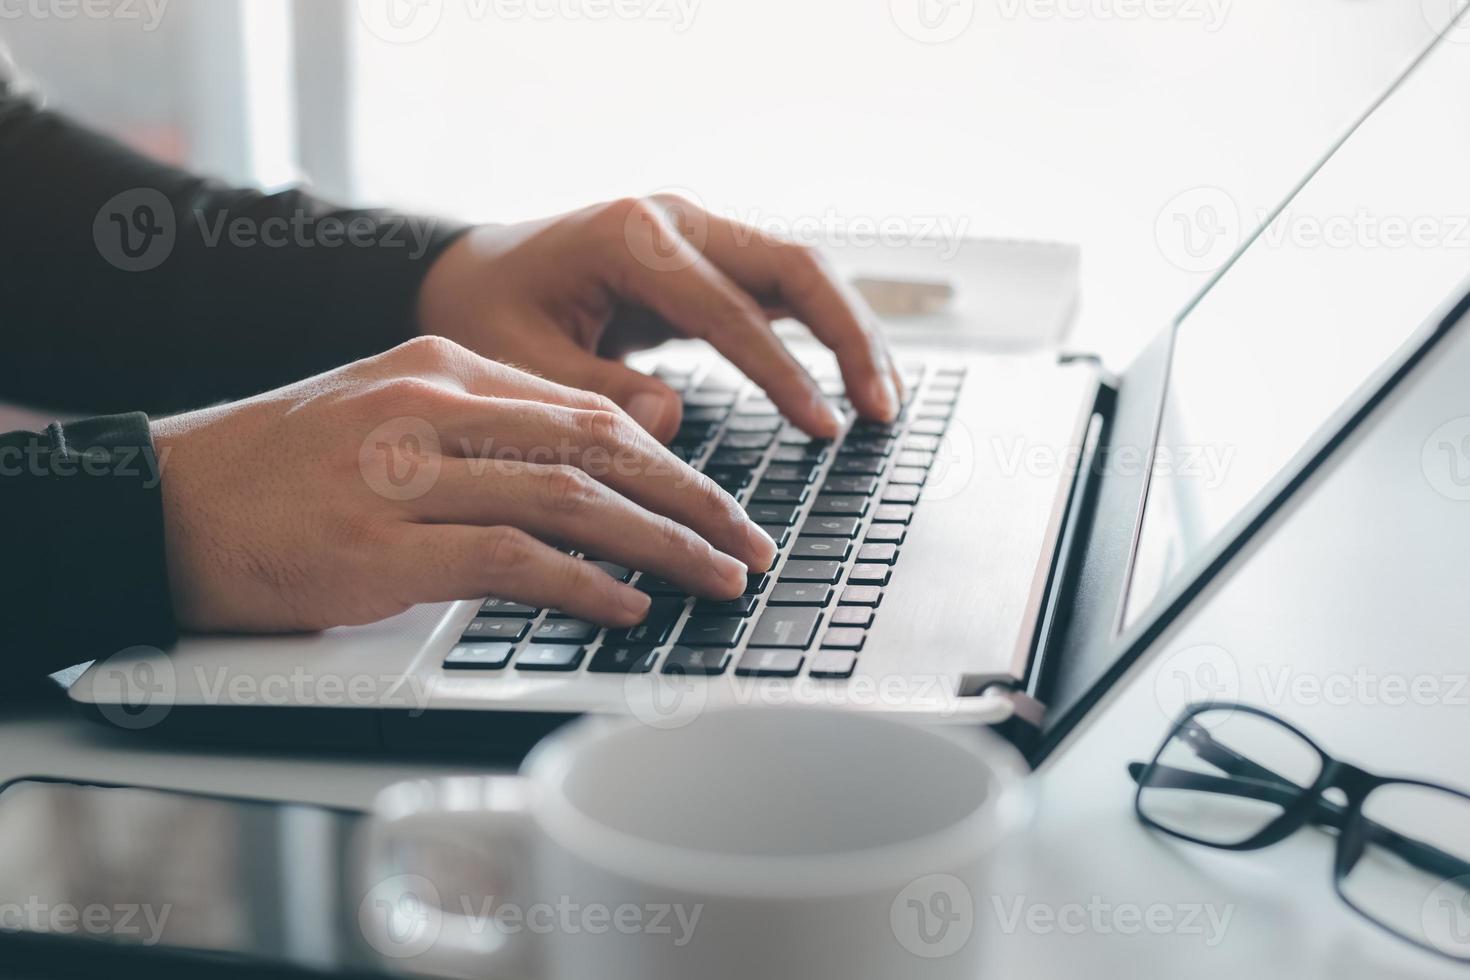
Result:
{"points": [[999, 555]]}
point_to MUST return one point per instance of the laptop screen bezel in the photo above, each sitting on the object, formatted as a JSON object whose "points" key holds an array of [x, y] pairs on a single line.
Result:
{"points": [[1095, 649]]}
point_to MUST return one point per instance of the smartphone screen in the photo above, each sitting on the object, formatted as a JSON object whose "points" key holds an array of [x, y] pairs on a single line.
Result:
{"points": [[142, 872]]}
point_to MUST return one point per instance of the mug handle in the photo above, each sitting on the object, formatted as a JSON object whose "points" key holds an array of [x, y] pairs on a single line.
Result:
{"points": [[404, 916]]}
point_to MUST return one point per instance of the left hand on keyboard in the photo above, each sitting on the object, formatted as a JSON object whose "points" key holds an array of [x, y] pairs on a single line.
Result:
{"points": [[557, 295]]}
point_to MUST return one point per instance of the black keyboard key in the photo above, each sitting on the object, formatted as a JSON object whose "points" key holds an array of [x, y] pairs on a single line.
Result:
{"points": [[703, 662], [883, 554], [864, 485], [712, 631], [763, 513], [893, 514], [839, 505], [780, 493], [504, 607], [780, 535], [756, 582], [487, 628], [789, 473], [861, 595], [655, 628], [620, 572], [770, 663], [811, 571], [834, 549], [564, 631], [731, 481], [654, 585], [550, 658], [869, 575], [859, 616], [908, 476], [800, 594], [737, 458], [843, 638], [830, 527], [897, 494], [622, 660], [746, 440], [868, 447], [883, 534], [833, 664], [743, 606], [703, 413], [858, 465], [787, 627], [694, 433], [479, 656], [869, 427], [810, 453]]}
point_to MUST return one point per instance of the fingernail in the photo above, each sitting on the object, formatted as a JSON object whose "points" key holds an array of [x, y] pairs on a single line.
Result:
{"points": [[649, 410], [885, 395], [835, 415], [761, 544], [729, 570], [635, 602]]}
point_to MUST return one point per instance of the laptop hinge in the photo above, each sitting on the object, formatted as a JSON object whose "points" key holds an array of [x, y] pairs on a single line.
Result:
{"points": [[1069, 543], [1023, 728]]}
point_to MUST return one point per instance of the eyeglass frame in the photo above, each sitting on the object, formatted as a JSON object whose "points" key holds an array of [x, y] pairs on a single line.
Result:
{"points": [[1354, 782]]}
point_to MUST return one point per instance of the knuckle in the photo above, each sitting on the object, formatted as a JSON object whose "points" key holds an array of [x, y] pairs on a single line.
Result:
{"points": [[430, 349], [506, 547], [606, 428], [626, 209], [568, 490], [673, 538], [398, 393]]}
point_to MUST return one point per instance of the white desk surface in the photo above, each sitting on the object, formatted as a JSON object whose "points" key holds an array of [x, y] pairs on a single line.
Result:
{"points": [[1362, 581]]}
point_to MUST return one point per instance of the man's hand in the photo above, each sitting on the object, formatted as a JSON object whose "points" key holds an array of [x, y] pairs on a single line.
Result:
{"points": [[429, 473], [568, 296]]}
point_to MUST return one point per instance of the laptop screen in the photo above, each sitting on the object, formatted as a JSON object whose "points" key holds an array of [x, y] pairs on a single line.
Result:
{"points": [[1331, 286]]}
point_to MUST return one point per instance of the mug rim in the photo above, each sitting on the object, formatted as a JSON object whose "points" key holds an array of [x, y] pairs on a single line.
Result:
{"points": [[695, 870]]}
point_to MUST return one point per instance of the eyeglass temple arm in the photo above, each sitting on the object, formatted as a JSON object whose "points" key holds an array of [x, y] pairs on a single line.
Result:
{"points": [[1283, 793]]}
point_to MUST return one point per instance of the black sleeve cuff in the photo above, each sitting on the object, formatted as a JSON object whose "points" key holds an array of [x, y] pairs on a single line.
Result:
{"points": [[88, 575]]}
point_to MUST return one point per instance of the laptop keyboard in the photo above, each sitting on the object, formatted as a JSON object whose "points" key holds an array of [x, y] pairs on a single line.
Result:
{"points": [[838, 512]]}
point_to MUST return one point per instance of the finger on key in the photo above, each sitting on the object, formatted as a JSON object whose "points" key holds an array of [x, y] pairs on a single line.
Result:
{"points": [[701, 302], [612, 448], [441, 562], [797, 279], [564, 504]]}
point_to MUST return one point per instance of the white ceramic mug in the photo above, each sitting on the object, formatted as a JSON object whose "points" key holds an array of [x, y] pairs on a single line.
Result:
{"points": [[753, 842]]}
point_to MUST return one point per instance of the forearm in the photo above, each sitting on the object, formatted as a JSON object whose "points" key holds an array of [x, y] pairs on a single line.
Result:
{"points": [[83, 569], [239, 292]]}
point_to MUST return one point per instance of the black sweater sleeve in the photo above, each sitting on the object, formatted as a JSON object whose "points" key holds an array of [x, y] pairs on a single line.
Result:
{"points": [[126, 285], [83, 574], [129, 285]]}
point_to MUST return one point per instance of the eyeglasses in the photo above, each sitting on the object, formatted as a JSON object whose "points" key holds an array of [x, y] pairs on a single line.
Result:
{"points": [[1238, 778]]}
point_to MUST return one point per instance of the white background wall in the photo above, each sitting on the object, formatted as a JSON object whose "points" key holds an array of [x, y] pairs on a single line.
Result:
{"points": [[1078, 120]]}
